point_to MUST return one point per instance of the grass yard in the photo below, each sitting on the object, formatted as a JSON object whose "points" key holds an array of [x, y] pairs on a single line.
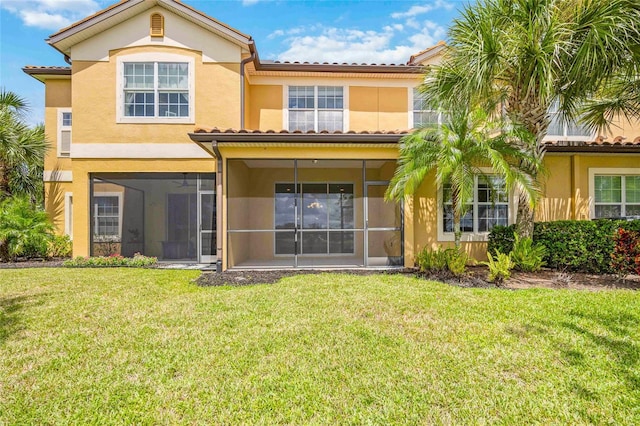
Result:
{"points": [[150, 347]]}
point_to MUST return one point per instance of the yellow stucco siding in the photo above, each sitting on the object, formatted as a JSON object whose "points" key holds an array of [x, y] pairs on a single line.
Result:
{"points": [[57, 95], [265, 107], [95, 87], [556, 204], [55, 203], [378, 108]]}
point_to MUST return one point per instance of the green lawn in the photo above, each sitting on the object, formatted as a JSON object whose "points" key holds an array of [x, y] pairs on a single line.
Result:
{"points": [[149, 346]]}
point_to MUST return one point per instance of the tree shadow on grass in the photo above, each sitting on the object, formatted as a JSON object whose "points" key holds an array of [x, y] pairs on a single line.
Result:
{"points": [[10, 314], [610, 333]]}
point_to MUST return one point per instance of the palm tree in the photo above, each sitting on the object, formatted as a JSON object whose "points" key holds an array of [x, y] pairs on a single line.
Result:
{"points": [[527, 54], [22, 149], [457, 151]]}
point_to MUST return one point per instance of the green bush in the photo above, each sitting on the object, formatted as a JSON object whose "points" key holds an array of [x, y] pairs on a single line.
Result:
{"points": [[25, 230], [59, 246], [137, 261], [456, 261], [432, 260], [572, 245], [441, 260], [501, 239], [499, 267], [526, 256]]}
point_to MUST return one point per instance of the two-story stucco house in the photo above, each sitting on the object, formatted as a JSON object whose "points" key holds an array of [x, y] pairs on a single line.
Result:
{"points": [[151, 152]]}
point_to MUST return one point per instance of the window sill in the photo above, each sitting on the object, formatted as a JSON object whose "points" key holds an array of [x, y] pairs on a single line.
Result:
{"points": [[154, 120], [467, 237]]}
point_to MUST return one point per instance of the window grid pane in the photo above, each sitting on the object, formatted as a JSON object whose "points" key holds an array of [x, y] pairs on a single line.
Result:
{"points": [[490, 202], [66, 119], [141, 84], [321, 111]]}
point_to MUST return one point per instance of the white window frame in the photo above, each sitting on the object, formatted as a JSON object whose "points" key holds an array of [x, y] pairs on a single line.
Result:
{"points": [[472, 236], [63, 128], [95, 216], [154, 57], [345, 104], [68, 214], [411, 110], [608, 171], [565, 127]]}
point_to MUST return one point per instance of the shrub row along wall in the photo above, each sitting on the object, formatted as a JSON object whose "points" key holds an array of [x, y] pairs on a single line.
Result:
{"points": [[572, 245]]}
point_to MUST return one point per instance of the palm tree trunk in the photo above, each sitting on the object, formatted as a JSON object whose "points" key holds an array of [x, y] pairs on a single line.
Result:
{"points": [[4, 180], [534, 117], [457, 232]]}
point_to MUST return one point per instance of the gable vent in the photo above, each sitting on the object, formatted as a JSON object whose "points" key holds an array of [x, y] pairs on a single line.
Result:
{"points": [[157, 25]]}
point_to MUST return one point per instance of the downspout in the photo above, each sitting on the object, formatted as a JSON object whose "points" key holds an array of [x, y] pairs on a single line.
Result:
{"points": [[67, 59], [216, 151], [245, 61]]}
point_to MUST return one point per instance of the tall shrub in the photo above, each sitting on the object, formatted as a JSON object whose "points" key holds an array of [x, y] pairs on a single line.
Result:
{"points": [[25, 230]]}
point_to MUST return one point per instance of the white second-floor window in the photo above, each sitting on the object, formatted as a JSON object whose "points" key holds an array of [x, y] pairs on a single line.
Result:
{"points": [[156, 89], [316, 108], [560, 129], [423, 114], [64, 132]]}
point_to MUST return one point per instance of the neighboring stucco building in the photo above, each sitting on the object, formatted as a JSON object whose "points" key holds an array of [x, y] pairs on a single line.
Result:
{"points": [[137, 169]]}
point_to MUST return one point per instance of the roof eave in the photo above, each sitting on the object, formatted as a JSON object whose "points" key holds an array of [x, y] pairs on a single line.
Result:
{"points": [[363, 138], [40, 74]]}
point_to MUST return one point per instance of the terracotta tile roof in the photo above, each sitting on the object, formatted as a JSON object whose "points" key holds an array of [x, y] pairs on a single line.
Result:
{"points": [[46, 68], [413, 57], [336, 63], [600, 144], [203, 129]]}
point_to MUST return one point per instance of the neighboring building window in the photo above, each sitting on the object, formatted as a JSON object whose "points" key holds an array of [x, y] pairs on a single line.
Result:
{"points": [[64, 132], [559, 128], [157, 25], [316, 108], [617, 196], [423, 115], [156, 89], [325, 222], [106, 215], [488, 208]]}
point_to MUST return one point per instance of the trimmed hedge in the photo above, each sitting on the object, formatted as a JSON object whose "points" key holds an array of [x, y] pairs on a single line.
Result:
{"points": [[572, 245]]}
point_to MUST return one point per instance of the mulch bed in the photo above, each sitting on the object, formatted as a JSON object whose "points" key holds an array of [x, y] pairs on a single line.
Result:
{"points": [[32, 263], [476, 278]]}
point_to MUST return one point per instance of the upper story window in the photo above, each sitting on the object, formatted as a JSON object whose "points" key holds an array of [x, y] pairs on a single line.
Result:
{"points": [[488, 208], [561, 129], [316, 108], [64, 132], [423, 114], [157, 88]]}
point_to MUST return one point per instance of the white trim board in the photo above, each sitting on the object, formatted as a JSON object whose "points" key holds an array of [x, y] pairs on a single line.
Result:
{"points": [[138, 150], [57, 176]]}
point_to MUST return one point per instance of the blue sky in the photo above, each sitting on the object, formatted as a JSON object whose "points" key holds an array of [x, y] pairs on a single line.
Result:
{"points": [[334, 31]]}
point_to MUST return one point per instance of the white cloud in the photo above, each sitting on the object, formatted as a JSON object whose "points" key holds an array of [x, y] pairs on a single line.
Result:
{"points": [[249, 2], [330, 44], [422, 9], [50, 14]]}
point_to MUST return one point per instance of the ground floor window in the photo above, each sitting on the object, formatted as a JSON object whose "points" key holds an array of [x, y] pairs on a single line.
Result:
{"points": [[326, 209], [488, 207], [106, 216], [616, 195]]}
